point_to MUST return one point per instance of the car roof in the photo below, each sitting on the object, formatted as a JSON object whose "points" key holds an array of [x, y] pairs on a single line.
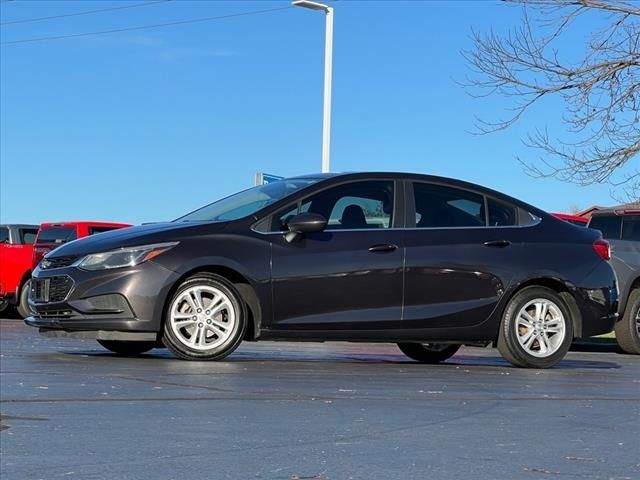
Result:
{"points": [[423, 178], [83, 223], [18, 225], [632, 208]]}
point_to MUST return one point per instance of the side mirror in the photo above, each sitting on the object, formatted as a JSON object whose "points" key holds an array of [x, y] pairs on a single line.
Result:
{"points": [[304, 223]]}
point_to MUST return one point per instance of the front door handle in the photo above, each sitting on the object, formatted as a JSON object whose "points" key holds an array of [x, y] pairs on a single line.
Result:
{"points": [[383, 247], [497, 243]]}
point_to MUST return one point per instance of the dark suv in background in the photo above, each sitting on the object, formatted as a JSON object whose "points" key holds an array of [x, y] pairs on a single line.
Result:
{"points": [[621, 227]]}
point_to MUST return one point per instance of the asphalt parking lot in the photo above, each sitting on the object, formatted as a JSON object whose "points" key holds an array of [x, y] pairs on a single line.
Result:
{"points": [[311, 411]]}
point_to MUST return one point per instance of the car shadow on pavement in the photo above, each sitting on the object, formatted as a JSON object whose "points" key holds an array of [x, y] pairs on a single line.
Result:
{"points": [[460, 360]]}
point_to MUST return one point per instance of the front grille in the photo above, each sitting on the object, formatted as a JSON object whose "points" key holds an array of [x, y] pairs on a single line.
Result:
{"points": [[57, 262], [52, 289]]}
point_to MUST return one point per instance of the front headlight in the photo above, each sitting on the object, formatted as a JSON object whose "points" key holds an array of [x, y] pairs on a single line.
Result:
{"points": [[123, 257]]}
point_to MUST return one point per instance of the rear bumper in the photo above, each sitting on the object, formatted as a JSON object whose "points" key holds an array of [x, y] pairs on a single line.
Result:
{"points": [[597, 300]]}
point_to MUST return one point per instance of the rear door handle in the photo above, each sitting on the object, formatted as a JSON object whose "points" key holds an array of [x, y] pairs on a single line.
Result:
{"points": [[383, 247], [497, 243]]}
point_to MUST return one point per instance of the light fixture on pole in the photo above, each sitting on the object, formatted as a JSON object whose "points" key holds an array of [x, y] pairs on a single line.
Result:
{"points": [[328, 67]]}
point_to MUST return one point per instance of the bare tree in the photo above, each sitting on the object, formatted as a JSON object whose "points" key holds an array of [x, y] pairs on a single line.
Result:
{"points": [[600, 89]]}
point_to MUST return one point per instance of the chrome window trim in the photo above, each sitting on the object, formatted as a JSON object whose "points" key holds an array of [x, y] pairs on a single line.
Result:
{"points": [[537, 221]]}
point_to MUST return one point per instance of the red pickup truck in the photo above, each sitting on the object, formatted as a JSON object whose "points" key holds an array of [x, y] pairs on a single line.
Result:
{"points": [[16, 251]]}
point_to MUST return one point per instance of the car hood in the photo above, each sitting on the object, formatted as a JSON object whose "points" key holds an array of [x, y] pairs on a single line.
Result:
{"points": [[135, 236]]}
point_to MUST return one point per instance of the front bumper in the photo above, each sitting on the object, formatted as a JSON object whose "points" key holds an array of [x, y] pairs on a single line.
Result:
{"points": [[100, 304]]}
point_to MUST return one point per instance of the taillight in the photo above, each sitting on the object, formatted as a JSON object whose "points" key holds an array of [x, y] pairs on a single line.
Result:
{"points": [[602, 248]]}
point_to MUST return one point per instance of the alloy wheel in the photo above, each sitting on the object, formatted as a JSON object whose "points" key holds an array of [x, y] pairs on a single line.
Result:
{"points": [[202, 317], [540, 327]]}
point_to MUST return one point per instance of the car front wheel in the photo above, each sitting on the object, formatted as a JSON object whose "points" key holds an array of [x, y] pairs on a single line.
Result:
{"points": [[628, 327], [23, 300], [205, 319], [429, 352], [536, 330]]}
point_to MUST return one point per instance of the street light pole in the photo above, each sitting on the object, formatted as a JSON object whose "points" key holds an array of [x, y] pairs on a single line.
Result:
{"points": [[328, 69]]}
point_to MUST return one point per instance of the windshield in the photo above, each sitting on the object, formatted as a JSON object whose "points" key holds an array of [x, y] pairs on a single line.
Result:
{"points": [[247, 202]]}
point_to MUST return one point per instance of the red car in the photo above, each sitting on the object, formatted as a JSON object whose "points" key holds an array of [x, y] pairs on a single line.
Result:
{"points": [[574, 219], [16, 251], [52, 235]]}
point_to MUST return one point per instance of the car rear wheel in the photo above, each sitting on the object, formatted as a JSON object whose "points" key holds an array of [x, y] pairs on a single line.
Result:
{"points": [[127, 348], [429, 352], [628, 327], [23, 304], [3, 305], [205, 319], [536, 330]]}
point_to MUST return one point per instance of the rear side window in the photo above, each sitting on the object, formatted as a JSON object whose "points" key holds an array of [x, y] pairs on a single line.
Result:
{"points": [[28, 235], [94, 230], [609, 225], [57, 235], [501, 214], [631, 228], [438, 206], [4, 235]]}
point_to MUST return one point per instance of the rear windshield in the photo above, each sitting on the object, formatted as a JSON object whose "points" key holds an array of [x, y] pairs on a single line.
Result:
{"points": [[609, 225], [57, 235], [94, 230]]}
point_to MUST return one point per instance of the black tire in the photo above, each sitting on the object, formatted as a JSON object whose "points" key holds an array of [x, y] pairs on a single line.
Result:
{"points": [[627, 328], [3, 305], [127, 348], [508, 344], [23, 300], [175, 337], [429, 352]]}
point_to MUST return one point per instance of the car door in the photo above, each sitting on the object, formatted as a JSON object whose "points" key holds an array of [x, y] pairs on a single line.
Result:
{"points": [[348, 277], [459, 260]]}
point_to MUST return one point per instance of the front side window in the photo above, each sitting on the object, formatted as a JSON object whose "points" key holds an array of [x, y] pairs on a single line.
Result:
{"points": [[439, 206], [247, 202], [28, 235], [609, 225], [631, 228], [4, 235], [351, 206]]}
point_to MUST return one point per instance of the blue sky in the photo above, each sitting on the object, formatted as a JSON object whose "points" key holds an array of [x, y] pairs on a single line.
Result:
{"points": [[146, 125]]}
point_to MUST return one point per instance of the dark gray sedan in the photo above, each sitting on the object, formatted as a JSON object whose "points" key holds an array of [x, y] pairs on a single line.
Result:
{"points": [[426, 262]]}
